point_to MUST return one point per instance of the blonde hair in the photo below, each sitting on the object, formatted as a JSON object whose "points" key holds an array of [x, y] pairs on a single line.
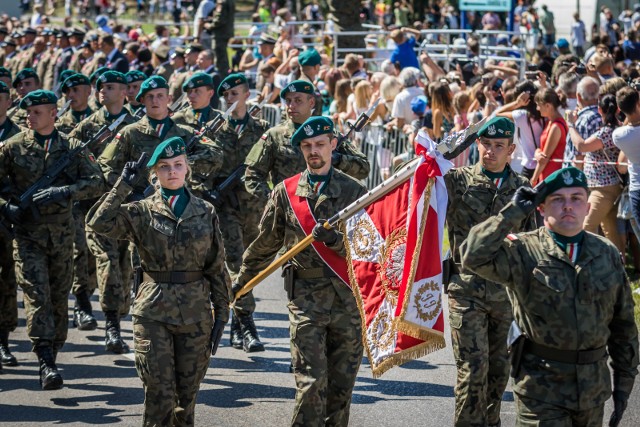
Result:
{"points": [[363, 92], [390, 87], [343, 90], [461, 102]]}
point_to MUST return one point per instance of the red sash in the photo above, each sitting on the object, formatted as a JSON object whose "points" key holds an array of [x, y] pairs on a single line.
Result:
{"points": [[302, 211]]}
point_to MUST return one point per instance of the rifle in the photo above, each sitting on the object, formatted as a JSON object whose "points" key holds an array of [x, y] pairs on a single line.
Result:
{"points": [[216, 195], [360, 123], [50, 175], [178, 104], [213, 126], [64, 109], [140, 113], [257, 108], [15, 107]]}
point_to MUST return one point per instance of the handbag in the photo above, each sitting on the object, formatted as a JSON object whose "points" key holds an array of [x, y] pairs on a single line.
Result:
{"points": [[623, 201]]}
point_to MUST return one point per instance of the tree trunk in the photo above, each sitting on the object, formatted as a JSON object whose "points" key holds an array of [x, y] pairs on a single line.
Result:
{"points": [[346, 16]]}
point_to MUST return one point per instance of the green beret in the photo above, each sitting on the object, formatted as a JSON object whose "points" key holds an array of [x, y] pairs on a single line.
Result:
{"points": [[172, 147], [23, 75], [314, 126], [38, 97], [63, 76], [309, 57], [153, 82], [198, 80], [298, 86], [4, 72], [97, 73], [135, 76], [564, 178], [4, 88], [231, 81], [496, 128], [110, 77], [75, 80]]}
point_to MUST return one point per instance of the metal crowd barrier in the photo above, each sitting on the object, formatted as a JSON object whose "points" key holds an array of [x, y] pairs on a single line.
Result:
{"points": [[272, 114], [384, 149]]}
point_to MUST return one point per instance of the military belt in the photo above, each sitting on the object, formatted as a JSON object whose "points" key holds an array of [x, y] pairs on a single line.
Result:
{"points": [[313, 273], [576, 357], [178, 277]]}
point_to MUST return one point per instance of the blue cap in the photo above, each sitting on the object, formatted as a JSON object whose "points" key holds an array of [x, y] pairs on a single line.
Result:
{"points": [[419, 105], [562, 44]]}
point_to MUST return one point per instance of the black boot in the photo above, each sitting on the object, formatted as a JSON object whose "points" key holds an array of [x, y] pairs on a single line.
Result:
{"points": [[50, 379], [113, 342], [236, 331], [6, 358], [250, 340], [83, 315]]}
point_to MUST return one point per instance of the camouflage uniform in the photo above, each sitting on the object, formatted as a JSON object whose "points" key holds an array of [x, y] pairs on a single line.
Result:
{"points": [[479, 310], [274, 158], [95, 256], [43, 247], [172, 322], [96, 61], [325, 327], [18, 115], [128, 145], [8, 287], [177, 79], [562, 306], [68, 121]]}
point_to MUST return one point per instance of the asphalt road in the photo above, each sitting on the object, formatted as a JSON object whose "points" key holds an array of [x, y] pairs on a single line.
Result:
{"points": [[239, 389]]}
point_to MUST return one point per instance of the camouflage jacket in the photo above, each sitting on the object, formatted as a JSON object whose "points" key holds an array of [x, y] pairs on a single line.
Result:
{"points": [[205, 159], [90, 126], [178, 77], [187, 117], [18, 115], [473, 198], [279, 227], [561, 305], [13, 129], [274, 158], [236, 147], [166, 243], [24, 161], [165, 70], [67, 122]]}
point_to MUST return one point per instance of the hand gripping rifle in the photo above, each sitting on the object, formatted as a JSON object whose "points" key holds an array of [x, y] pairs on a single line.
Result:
{"points": [[50, 175], [216, 195], [257, 108]]}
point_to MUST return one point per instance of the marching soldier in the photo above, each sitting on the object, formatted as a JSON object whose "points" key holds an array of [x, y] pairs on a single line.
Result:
{"points": [[325, 326], [43, 245], [199, 89], [26, 81], [134, 81], [274, 159], [181, 251], [237, 209], [8, 287], [94, 254], [97, 60], [133, 140], [479, 310], [9, 48], [572, 305], [179, 75], [77, 89]]}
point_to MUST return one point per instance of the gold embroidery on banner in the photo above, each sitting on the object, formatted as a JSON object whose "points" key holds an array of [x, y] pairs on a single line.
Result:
{"points": [[391, 263], [382, 332], [363, 238], [427, 302]]}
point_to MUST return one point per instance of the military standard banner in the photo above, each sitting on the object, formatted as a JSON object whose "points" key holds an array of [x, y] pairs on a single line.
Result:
{"points": [[394, 249]]}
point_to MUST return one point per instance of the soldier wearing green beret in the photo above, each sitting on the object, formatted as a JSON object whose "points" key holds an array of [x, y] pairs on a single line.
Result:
{"points": [[182, 256], [134, 81], [77, 89], [110, 254], [572, 305], [26, 81], [128, 145], [8, 287], [274, 159], [199, 89], [5, 76], [326, 334], [238, 211], [43, 245], [479, 309]]}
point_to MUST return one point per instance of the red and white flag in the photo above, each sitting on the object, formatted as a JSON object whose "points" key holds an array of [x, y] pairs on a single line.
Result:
{"points": [[394, 251]]}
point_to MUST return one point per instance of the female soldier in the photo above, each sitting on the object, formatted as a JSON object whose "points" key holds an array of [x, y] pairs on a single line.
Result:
{"points": [[182, 256]]}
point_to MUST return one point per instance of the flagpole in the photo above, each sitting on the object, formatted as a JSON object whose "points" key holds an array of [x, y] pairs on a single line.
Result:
{"points": [[371, 196]]}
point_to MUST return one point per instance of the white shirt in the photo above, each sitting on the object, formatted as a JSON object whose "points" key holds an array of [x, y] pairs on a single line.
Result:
{"points": [[402, 104], [525, 139], [578, 34], [626, 139]]}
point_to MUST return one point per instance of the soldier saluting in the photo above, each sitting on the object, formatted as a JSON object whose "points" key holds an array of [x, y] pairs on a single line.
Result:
{"points": [[572, 305]]}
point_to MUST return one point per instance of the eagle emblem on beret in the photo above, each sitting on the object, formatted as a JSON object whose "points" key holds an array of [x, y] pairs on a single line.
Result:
{"points": [[308, 130], [225, 85], [153, 84], [292, 88], [28, 102], [567, 178], [103, 78], [169, 151], [491, 130], [190, 85]]}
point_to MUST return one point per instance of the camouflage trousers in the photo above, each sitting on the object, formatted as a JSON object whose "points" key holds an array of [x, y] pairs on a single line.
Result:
{"points": [[239, 227], [171, 361], [113, 271], [326, 351], [8, 287], [479, 331], [534, 413], [43, 258], [84, 263]]}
